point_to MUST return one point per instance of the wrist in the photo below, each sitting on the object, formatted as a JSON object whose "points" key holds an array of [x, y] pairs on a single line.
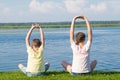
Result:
{"points": [[40, 28], [32, 27]]}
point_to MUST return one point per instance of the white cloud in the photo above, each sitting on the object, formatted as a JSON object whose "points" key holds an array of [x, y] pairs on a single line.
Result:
{"points": [[44, 7], [82, 7], [101, 7], [75, 6], [5, 11], [114, 6], [69, 6], [59, 10], [21, 14]]}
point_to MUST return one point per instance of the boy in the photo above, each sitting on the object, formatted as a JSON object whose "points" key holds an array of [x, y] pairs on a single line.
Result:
{"points": [[35, 65], [81, 62]]}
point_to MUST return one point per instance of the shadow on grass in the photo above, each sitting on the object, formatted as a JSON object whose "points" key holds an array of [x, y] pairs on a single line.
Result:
{"points": [[56, 72], [106, 72], [94, 73]]}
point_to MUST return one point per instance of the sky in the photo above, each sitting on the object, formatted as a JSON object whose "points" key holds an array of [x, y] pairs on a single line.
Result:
{"points": [[58, 10]]}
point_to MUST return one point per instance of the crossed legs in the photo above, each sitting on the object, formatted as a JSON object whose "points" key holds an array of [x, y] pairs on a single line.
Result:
{"points": [[23, 68], [93, 65], [68, 66]]}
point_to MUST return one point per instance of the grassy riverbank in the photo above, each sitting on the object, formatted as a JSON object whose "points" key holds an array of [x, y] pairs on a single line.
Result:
{"points": [[60, 24], [61, 75]]}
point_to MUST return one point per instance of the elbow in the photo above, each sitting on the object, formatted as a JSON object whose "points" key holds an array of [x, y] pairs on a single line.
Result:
{"points": [[26, 39], [71, 31], [90, 40]]}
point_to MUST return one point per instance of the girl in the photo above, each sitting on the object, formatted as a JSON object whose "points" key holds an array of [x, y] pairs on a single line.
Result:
{"points": [[35, 65], [81, 51]]}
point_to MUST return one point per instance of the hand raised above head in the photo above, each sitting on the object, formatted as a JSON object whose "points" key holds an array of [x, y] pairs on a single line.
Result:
{"points": [[82, 17], [33, 26], [37, 26], [78, 17], [85, 18]]}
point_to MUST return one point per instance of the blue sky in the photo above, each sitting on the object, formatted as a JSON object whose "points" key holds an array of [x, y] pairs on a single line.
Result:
{"points": [[58, 10]]}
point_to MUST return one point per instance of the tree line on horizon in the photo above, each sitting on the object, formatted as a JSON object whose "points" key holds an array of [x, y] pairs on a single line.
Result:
{"points": [[61, 24]]}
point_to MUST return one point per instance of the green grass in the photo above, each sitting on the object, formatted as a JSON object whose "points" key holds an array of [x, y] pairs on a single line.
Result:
{"points": [[61, 75]]}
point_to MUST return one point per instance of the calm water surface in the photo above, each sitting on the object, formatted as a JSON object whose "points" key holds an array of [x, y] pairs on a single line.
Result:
{"points": [[105, 48]]}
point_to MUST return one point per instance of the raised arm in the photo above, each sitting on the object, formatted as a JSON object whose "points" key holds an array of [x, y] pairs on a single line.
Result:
{"points": [[72, 30], [27, 40], [89, 29], [42, 36]]}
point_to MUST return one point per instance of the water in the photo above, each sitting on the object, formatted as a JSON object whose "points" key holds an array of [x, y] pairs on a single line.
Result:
{"points": [[105, 48]]}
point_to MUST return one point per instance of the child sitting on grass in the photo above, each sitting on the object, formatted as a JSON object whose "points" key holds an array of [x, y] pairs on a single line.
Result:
{"points": [[81, 62], [35, 64]]}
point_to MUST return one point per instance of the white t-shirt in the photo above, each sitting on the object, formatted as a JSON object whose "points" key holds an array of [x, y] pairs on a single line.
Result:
{"points": [[81, 61]]}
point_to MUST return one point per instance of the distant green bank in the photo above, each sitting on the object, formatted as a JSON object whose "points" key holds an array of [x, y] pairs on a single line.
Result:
{"points": [[60, 24], [62, 75]]}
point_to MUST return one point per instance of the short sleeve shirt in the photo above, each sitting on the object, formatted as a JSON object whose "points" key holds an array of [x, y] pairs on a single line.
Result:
{"points": [[81, 62], [35, 60]]}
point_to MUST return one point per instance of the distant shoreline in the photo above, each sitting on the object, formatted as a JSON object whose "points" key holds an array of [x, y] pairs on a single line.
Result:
{"points": [[60, 24]]}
